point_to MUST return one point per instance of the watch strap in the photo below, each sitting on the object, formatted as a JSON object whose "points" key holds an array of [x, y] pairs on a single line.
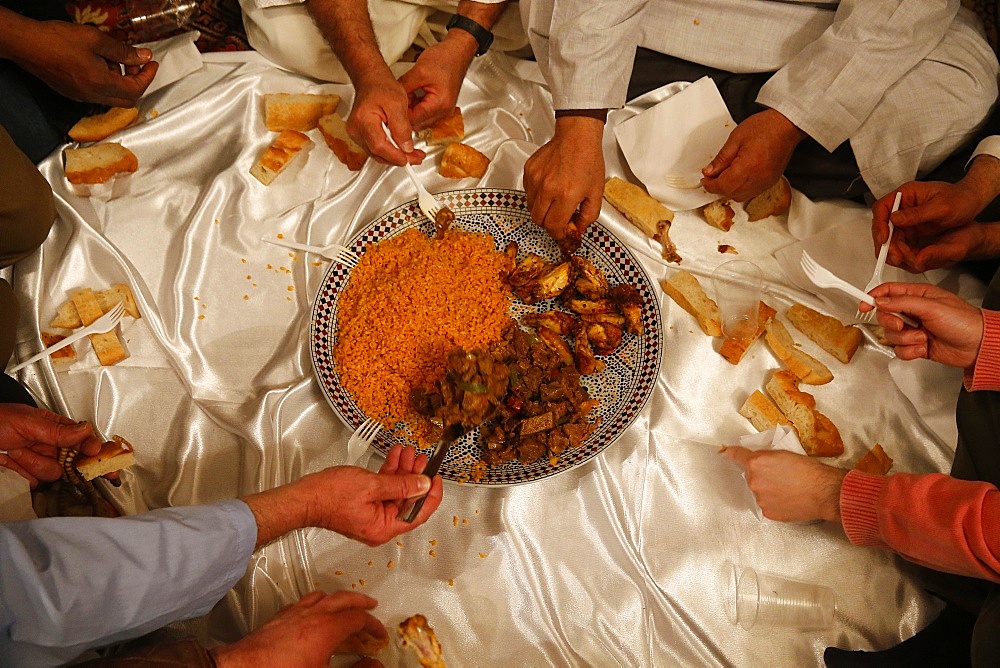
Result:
{"points": [[483, 36]]}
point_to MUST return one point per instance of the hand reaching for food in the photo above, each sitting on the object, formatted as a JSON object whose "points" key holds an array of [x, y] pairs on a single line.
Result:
{"points": [[32, 438]]}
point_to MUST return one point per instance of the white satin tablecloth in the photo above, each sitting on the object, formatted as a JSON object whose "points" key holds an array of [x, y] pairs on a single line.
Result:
{"points": [[617, 562]]}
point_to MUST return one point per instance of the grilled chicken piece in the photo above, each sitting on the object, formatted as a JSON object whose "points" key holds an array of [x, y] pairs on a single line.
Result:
{"points": [[610, 318], [629, 303], [553, 282], [586, 363], [604, 337], [557, 345], [592, 306], [590, 282], [528, 269], [570, 243], [559, 322]]}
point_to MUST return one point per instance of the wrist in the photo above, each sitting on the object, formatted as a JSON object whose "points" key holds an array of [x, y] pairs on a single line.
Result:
{"points": [[280, 510], [460, 23], [14, 30], [581, 127], [462, 44], [831, 486]]}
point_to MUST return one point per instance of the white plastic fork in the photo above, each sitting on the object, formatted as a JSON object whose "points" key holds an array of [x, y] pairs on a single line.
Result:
{"points": [[683, 181], [105, 323], [876, 278], [336, 252], [361, 439], [425, 200], [824, 278]]}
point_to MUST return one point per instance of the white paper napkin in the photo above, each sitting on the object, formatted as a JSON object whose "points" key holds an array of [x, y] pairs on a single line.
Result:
{"points": [[177, 56], [677, 136]]}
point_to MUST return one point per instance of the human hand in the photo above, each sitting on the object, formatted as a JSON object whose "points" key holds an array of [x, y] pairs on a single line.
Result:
{"points": [[437, 75], [32, 438], [350, 500], [564, 179], [754, 156], [305, 633], [83, 63], [379, 101], [790, 487], [950, 330], [928, 212]]}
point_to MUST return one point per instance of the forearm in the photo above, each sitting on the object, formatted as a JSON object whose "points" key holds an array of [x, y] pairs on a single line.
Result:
{"points": [[347, 27], [278, 511], [483, 13], [15, 32], [982, 179], [934, 520], [128, 576]]}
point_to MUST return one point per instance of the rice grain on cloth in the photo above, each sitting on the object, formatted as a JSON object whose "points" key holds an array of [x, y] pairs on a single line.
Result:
{"points": [[409, 301]]}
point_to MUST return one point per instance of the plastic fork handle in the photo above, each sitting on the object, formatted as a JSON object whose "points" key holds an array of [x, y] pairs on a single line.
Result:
{"points": [[69, 340]]}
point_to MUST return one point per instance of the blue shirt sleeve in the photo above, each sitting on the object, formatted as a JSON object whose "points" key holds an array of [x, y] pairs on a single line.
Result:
{"points": [[72, 584]]}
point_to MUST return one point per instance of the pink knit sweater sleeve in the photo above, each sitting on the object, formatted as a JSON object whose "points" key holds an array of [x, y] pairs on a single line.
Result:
{"points": [[985, 374], [944, 523]]}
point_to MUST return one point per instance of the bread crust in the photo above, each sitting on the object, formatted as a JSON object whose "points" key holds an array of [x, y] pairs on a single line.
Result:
{"points": [[733, 350], [461, 161], [719, 214], [840, 340], [101, 126], [297, 111], [643, 211], [95, 164], [772, 202], [334, 131], [762, 412], [68, 317], [687, 292], [279, 155], [107, 346], [806, 367], [875, 461], [115, 455], [817, 433], [448, 129]]}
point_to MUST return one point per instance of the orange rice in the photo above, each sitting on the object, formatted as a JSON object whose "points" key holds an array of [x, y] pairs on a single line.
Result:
{"points": [[410, 300]]}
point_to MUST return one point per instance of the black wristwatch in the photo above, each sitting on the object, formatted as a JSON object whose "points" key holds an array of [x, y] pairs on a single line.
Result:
{"points": [[483, 36]]}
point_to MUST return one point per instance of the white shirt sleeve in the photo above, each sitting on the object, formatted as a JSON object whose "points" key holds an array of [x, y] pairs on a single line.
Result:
{"points": [[989, 146], [831, 86], [71, 584], [585, 48]]}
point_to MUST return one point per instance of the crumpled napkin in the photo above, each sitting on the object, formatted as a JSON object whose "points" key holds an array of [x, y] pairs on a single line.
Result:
{"points": [[779, 438], [677, 136], [177, 56]]}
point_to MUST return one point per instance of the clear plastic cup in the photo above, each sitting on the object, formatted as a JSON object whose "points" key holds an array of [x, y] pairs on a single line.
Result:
{"points": [[764, 599], [738, 287], [150, 20]]}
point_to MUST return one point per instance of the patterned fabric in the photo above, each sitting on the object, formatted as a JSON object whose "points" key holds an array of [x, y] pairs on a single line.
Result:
{"points": [[219, 21]]}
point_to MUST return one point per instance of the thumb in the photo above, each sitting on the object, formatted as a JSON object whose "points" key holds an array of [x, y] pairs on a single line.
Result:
{"points": [[120, 52], [406, 486], [722, 160], [737, 454], [61, 435]]}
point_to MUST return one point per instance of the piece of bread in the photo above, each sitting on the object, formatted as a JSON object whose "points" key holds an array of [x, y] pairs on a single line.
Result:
{"points": [[644, 212], [297, 111], [817, 433], [334, 131], [102, 126], [362, 642], [875, 461], [68, 318], [805, 367], [762, 412], [460, 161], [448, 129], [63, 358], [279, 155], [833, 336], [772, 202], [107, 346], [734, 349], [719, 214], [685, 289], [115, 455], [98, 163]]}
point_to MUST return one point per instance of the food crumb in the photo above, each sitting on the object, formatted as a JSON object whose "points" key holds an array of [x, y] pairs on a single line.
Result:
{"points": [[280, 235], [451, 583], [288, 298], [465, 521], [291, 255], [454, 521], [317, 263], [197, 298], [201, 317], [270, 266], [246, 298], [153, 113], [697, 22], [433, 541], [216, 221], [243, 260], [338, 572], [371, 563], [477, 511], [204, 305], [553, 460], [390, 564], [482, 555], [354, 585], [399, 543], [433, 554], [361, 582], [291, 288]]}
